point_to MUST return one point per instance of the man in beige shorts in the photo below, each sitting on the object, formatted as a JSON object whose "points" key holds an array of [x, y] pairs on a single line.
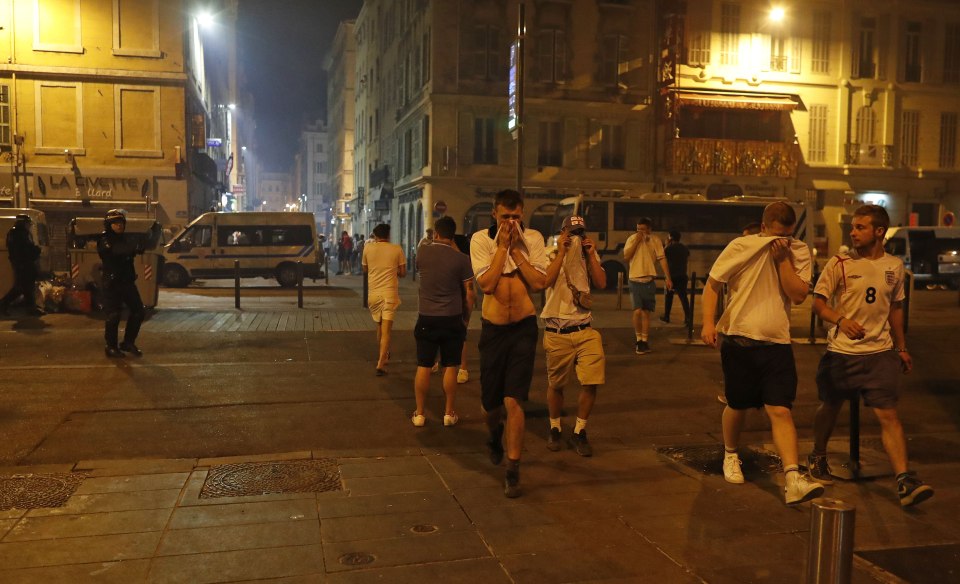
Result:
{"points": [[384, 264]]}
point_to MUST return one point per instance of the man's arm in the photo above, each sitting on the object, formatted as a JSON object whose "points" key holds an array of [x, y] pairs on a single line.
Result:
{"points": [[711, 292], [899, 338], [848, 326], [793, 285], [553, 270], [535, 279], [489, 279], [668, 283], [630, 247], [469, 298]]}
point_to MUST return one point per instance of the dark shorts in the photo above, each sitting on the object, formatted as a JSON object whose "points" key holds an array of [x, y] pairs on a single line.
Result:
{"points": [[445, 334], [757, 376], [875, 376], [644, 295], [507, 354]]}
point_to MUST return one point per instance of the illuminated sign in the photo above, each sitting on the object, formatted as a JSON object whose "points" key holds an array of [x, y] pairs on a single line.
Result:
{"points": [[214, 142], [512, 89]]}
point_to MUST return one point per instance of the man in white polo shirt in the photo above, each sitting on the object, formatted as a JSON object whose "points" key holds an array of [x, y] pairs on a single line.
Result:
{"points": [[642, 252]]}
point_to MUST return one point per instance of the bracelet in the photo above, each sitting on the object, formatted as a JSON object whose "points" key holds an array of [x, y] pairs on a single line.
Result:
{"points": [[900, 349], [521, 263], [838, 320]]}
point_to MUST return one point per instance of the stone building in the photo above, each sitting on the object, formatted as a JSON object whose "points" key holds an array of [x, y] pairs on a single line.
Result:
{"points": [[340, 66]]}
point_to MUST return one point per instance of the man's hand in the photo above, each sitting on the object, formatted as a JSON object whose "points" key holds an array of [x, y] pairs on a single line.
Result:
{"points": [[906, 362], [587, 244], [780, 248], [505, 234], [668, 283], [563, 242], [853, 329], [709, 334]]}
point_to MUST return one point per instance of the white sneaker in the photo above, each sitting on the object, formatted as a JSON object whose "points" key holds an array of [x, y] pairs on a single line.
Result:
{"points": [[418, 419], [450, 419], [463, 376], [801, 489], [731, 469]]}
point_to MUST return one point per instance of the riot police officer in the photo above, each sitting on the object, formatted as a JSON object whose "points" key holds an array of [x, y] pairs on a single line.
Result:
{"points": [[23, 254], [117, 250]]}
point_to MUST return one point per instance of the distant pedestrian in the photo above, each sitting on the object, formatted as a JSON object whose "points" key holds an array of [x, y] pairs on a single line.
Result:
{"points": [[643, 252], [23, 254], [861, 292], [344, 253], [358, 245], [384, 264], [765, 273], [569, 340], [427, 239], [677, 255], [509, 262], [446, 298], [117, 250]]}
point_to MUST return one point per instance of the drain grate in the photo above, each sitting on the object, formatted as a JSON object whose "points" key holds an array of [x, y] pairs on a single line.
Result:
{"points": [[919, 565], [38, 491], [708, 459], [269, 478], [357, 559]]}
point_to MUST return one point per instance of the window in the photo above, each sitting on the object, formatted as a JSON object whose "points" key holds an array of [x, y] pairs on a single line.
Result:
{"points": [[5, 143], [613, 55], [263, 235], [948, 140], [909, 137], [485, 54], [425, 141], [951, 53], [821, 43], [817, 151], [698, 38], [318, 168], [196, 236], [864, 63], [912, 61], [595, 215], [407, 153], [318, 147], [552, 56], [866, 126], [425, 56], [484, 141], [729, 34], [59, 123], [136, 28], [612, 153], [550, 151], [57, 26]]}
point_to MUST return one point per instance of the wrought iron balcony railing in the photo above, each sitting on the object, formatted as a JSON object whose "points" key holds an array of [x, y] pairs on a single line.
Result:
{"points": [[732, 157]]}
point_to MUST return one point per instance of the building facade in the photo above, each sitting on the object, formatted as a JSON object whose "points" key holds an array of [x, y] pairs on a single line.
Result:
{"points": [[275, 190], [340, 66], [313, 167]]}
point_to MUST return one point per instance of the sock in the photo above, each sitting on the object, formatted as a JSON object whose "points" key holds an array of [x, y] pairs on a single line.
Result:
{"points": [[581, 424], [639, 337], [729, 451], [791, 469], [555, 423], [643, 338]]}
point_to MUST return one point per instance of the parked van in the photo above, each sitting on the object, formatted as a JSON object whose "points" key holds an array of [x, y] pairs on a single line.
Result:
{"points": [[267, 245], [931, 253], [38, 228]]}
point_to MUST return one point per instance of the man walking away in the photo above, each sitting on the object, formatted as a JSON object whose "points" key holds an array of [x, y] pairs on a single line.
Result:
{"points": [[569, 340], [384, 264], [764, 273], [643, 252], [861, 293], [446, 298], [509, 262], [23, 254], [677, 255]]}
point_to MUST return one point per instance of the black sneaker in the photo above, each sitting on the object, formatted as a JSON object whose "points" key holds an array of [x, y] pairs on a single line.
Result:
{"points": [[113, 352], [818, 469], [639, 351], [912, 490], [553, 440], [495, 444], [643, 347], [511, 483], [579, 443], [131, 348]]}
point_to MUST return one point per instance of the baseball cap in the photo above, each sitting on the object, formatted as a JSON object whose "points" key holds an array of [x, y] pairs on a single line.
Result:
{"points": [[575, 224]]}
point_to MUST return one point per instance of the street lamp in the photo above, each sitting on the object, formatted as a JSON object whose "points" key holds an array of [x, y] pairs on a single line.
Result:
{"points": [[777, 14], [205, 19]]}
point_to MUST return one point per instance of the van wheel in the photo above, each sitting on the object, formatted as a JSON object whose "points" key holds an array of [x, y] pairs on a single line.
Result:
{"points": [[287, 275], [612, 269], [174, 276]]}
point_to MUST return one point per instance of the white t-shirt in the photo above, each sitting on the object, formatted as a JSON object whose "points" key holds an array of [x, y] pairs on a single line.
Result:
{"points": [[382, 258], [862, 289], [560, 310], [483, 247], [757, 307], [643, 264]]}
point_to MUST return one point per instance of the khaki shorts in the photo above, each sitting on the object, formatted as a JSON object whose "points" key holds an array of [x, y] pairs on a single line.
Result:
{"points": [[580, 349], [383, 307]]}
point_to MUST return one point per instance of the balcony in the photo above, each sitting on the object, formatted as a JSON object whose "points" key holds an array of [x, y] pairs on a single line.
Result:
{"points": [[869, 155], [731, 157]]}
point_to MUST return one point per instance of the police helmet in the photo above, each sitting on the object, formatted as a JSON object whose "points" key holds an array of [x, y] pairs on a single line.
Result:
{"points": [[115, 216], [23, 218]]}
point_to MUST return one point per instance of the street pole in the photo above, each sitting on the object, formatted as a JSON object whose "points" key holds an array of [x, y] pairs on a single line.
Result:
{"points": [[521, 35]]}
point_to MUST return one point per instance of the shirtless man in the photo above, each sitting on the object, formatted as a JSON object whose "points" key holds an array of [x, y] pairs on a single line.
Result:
{"points": [[509, 262]]}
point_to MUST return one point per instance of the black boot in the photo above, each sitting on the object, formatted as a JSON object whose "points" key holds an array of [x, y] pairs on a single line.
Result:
{"points": [[113, 352], [131, 348]]}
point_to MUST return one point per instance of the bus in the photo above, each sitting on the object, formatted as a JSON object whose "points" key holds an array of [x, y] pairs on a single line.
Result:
{"points": [[707, 226]]}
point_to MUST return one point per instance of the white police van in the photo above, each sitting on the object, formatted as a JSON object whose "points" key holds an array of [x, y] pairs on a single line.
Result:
{"points": [[931, 253]]}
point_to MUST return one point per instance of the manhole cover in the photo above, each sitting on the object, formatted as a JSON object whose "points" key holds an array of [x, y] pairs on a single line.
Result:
{"points": [[37, 491], [266, 478], [919, 565], [709, 459], [423, 528], [356, 559]]}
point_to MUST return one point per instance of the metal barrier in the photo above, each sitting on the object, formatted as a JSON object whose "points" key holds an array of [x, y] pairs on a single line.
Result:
{"points": [[693, 300], [236, 284], [830, 555], [299, 284], [619, 290]]}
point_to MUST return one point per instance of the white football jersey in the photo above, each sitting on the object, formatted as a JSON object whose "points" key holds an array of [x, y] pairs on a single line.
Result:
{"points": [[862, 290]]}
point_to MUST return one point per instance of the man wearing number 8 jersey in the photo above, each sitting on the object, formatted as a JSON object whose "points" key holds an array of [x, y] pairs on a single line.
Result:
{"points": [[861, 293]]}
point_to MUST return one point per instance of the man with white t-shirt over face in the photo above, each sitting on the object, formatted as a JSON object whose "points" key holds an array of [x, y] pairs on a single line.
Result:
{"points": [[764, 274], [861, 293]]}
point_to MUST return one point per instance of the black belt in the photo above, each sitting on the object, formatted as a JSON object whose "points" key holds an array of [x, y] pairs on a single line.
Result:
{"points": [[567, 329]]}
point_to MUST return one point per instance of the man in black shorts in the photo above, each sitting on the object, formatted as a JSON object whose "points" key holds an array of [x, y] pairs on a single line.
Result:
{"points": [[446, 297], [509, 262], [861, 292]]}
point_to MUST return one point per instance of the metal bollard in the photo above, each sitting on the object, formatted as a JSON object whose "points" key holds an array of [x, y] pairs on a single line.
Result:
{"points": [[813, 313], [366, 287], [693, 299], [326, 269], [236, 284], [299, 284], [855, 435], [619, 290], [413, 268], [830, 556], [907, 293]]}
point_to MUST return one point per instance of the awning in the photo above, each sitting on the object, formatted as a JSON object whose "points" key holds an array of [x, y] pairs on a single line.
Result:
{"points": [[738, 101], [831, 185]]}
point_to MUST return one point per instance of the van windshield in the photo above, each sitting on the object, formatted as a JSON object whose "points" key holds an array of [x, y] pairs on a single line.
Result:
{"points": [[896, 246]]}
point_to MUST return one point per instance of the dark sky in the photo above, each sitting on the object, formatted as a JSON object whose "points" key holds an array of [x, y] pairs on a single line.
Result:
{"points": [[282, 44]]}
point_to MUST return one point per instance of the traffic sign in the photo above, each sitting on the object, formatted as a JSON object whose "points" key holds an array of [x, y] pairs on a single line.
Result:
{"points": [[440, 207], [949, 218]]}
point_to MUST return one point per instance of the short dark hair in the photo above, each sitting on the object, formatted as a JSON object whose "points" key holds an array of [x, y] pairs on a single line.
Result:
{"points": [[780, 212], [645, 221], [445, 227], [382, 231], [508, 199], [877, 214], [674, 235]]}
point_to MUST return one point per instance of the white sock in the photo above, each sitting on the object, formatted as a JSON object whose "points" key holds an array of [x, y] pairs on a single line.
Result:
{"points": [[581, 424], [639, 337], [643, 338], [555, 423], [791, 473]]}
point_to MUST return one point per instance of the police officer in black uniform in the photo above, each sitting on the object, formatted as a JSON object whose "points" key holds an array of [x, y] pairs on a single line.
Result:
{"points": [[117, 251], [24, 254]]}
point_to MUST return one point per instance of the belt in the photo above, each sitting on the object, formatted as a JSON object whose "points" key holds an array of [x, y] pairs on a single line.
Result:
{"points": [[567, 329]]}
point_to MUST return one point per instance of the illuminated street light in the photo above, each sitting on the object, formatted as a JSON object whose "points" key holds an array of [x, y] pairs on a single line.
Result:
{"points": [[777, 14], [232, 106], [205, 19]]}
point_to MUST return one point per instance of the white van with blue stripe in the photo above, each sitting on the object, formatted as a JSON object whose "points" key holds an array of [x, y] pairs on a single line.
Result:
{"points": [[267, 245]]}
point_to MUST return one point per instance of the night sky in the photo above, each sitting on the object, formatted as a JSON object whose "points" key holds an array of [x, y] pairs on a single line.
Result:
{"points": [[282, 44]]}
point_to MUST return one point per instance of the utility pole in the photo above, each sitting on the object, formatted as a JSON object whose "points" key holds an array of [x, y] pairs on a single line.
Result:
{"points": [[515, 92]]}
